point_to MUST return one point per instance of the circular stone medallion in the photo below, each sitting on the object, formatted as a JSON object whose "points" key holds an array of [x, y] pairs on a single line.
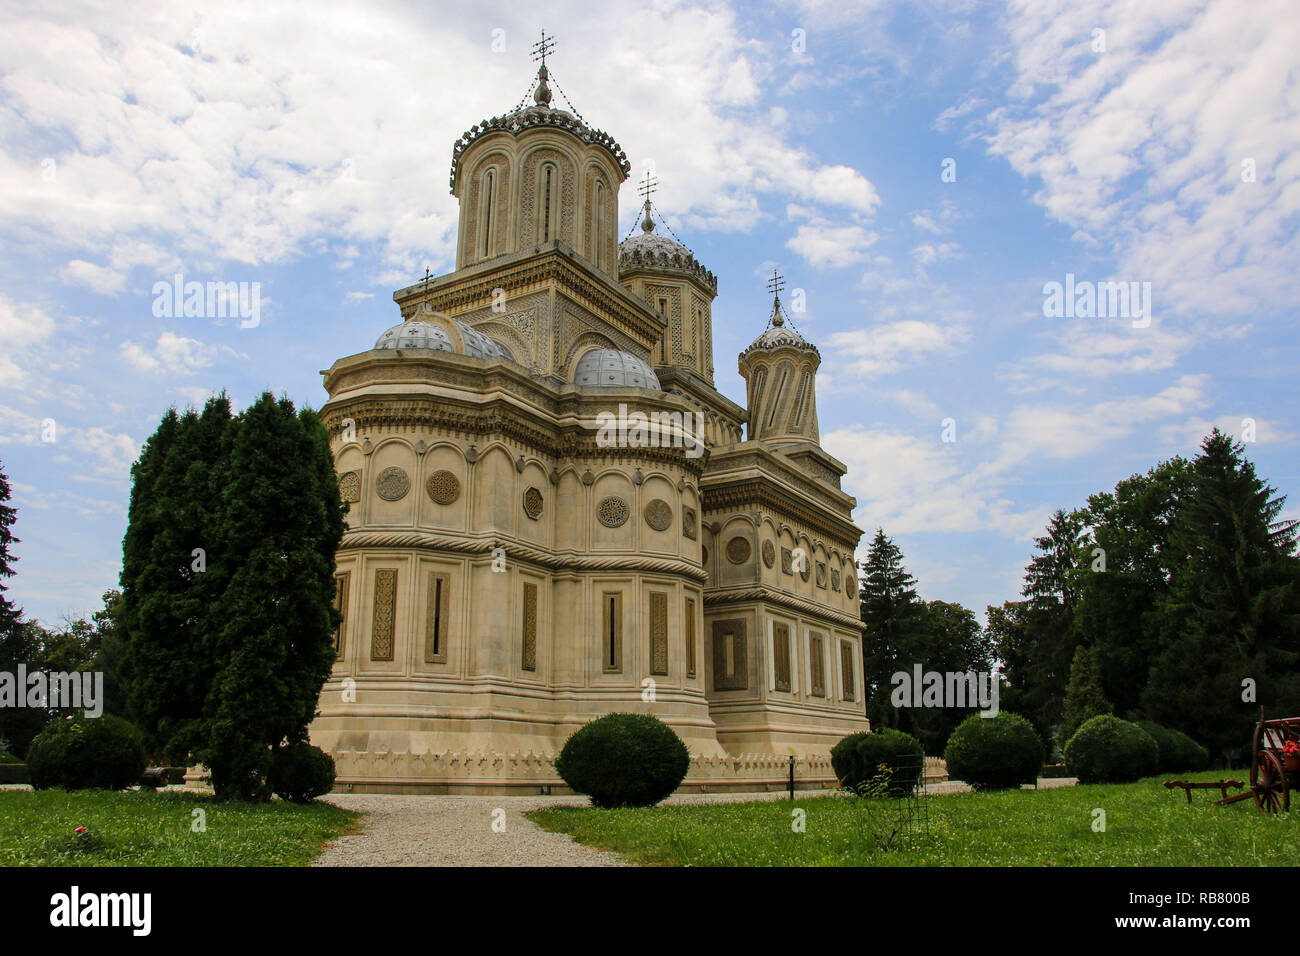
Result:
{"points": [[659, 514], [350, 486], [443, 487], [533, 503], [769, 553], [612, 512], [738, 550], [392, 484]]}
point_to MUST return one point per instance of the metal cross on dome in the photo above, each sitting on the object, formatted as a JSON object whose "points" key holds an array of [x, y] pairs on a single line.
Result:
{"points": [[776, 284], [648, 186], [542, 47]]}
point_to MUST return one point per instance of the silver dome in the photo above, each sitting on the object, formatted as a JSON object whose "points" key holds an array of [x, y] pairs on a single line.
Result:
{"points": [[610, 368], [425, 335]]}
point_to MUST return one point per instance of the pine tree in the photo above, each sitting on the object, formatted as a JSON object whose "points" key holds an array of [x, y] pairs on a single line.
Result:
{"points": [[1232, 611], [226, 623], [893, 616], [1083, 697]]}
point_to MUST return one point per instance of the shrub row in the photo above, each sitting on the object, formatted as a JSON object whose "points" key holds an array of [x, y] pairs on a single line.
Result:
{"points": [[858, 758]]}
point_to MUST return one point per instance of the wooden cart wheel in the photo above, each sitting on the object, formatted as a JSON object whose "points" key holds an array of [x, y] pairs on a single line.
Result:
{"points": [[1268, 782]]}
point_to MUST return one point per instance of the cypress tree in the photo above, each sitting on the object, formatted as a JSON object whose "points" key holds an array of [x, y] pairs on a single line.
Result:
{"points": [[1083, 696], [893, 616]]}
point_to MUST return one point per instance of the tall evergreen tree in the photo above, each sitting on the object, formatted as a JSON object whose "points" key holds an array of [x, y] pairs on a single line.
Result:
{"points": [[893, 617], [9, 615], [1084, 697], [1118, 611], [227, 605], [1232, 612]]}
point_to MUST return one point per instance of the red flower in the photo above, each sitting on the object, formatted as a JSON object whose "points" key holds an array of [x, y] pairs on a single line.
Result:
{"points": [[79, 830], [1291, 749]]}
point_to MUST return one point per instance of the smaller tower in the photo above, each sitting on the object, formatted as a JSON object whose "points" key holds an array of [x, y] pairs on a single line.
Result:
{"points": [[668, 277], [780, 373]]}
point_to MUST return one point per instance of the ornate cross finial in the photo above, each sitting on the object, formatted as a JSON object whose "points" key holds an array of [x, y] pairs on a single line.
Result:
{"points": [[774, 286], [646, 189], [542, 47], [648, 185]]}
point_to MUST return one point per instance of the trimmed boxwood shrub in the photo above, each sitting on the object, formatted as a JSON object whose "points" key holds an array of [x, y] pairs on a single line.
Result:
{"points": [[857, 758], [1178, 753], [1106, 749], [86, 753], [624, 760], [994, 753], [300, 773]]}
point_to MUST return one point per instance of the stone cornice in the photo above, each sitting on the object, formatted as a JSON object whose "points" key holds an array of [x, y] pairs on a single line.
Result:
{"points": [[553, 264], [515, 550], [766, 493], [722, 597]]}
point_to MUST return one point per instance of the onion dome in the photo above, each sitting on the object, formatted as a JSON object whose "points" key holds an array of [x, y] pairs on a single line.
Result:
{"points": [[650, 251], [611, 368], [779, 335], [419, 334], [539, 114]]}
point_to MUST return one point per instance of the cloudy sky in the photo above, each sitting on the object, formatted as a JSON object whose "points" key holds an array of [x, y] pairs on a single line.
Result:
{"points": [[921, 171]]}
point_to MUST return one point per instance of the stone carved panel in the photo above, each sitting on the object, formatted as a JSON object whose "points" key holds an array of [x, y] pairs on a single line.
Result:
{"points": [[738, 550], [443, 487], [612, 512], [821, 574], [781, 656], [533, 503], [787, 561], [658, 633], [769, 553], [393, 484], [385, 615], [529, 662], [659, 514], [690, 523], [350, 486]]}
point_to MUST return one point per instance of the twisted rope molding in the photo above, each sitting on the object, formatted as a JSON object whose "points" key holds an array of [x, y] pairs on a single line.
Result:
{"points": [[718, 598], [354, 540]]}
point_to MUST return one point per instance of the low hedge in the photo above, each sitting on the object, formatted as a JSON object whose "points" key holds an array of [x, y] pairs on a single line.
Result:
{"points": [[624, 760], [86, 753], [994, 753], [300, 773], [857, 758], [1106, 749], [1177, 752]]}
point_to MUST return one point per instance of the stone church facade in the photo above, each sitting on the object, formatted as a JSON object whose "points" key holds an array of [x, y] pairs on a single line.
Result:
{"points": [[514, 567]]}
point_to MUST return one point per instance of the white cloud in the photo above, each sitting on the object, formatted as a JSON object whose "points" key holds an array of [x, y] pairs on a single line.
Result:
{"points": [[823, 245], [99, 279], [173, 354], [882, 349], [1141, 148]]}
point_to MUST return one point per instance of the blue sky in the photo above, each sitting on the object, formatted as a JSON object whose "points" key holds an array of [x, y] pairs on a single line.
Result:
{"points": [[247, 142]]}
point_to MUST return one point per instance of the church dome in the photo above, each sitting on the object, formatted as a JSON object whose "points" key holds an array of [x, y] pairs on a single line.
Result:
{"points": [[779, 336], [610, 368], [417, 334], [651, 252]]}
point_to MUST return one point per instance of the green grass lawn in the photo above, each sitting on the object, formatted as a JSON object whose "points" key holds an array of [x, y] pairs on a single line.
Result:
{"points": [[1146, 825], [145, 828]]}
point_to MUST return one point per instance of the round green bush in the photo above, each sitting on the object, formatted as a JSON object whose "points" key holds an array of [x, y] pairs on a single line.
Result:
{"points": [[994, 753], [624, 760], [1178, 753], [300, 773], [1106, 749], [86, 753], [857, 758]]}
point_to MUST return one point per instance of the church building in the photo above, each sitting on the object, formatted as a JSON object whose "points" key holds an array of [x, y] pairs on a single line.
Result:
{"points": [[555, 515]]}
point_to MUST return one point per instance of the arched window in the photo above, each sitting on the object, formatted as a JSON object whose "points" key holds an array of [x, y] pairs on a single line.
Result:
{"points": [[550, 181], [487, 196], [598, 223]]}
